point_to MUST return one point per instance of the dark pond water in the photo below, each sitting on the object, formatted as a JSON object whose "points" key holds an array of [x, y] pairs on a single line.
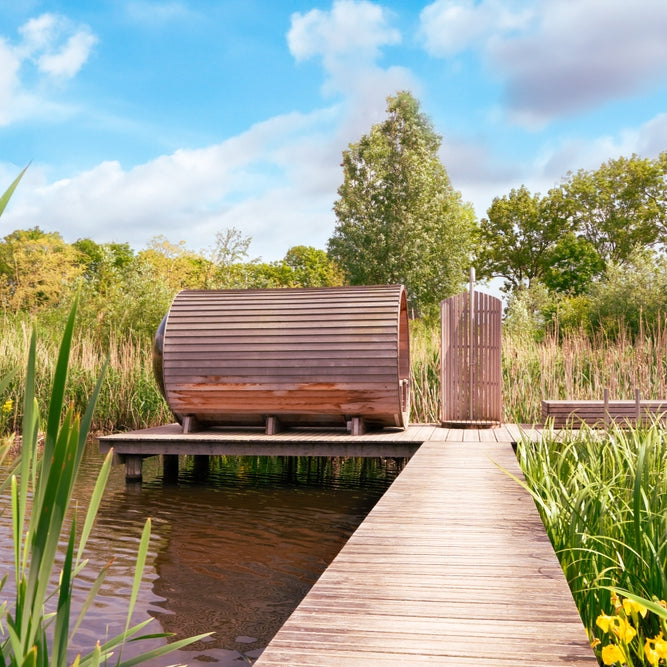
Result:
{"points": [[235, 546]]}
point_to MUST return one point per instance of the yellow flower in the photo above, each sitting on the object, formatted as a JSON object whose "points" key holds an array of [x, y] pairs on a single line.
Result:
{"points": [[7, 406], [654, 649], [611, 654], [631, 607], [619, 626]]}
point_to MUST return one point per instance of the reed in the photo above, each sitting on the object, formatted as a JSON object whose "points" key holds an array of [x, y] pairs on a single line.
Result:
{"points": [[128, 398], [37, 629], [603, 499], [574, 366]]}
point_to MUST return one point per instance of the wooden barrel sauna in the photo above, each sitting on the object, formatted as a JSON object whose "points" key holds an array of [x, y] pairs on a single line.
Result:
{"points": [[297, 357]]}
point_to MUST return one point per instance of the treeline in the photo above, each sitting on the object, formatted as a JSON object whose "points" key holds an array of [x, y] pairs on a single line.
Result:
{"points": [[590, 255], [123, 293]]}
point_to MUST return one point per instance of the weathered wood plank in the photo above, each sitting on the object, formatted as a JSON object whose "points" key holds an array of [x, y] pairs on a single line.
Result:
{"points": [[452, 566]]}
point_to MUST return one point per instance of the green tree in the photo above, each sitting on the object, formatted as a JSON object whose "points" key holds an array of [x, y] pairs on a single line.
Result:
{"points": [[620, 207], [37, 269], [399, 220], [571, 265], [178, 267], [516, 236], [311, 267]]}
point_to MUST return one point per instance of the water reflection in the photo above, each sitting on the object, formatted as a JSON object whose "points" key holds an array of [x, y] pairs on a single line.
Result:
{"points": [[235, 545]]}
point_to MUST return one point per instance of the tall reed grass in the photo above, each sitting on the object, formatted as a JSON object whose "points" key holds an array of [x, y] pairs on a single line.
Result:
{"points": [[602, 495], [128, 399], [574, 366], [577, 366]]}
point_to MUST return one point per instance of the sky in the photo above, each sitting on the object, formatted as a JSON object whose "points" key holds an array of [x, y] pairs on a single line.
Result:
{"points": [[184, 118]]}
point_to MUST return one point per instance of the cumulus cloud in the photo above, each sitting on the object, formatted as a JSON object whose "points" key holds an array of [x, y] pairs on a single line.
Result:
{"points": [[555, 57], [348, 39], [55, 49], [250, 181]]}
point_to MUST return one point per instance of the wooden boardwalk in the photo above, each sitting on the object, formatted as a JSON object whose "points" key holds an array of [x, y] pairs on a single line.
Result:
{"points": [[451, 567]]}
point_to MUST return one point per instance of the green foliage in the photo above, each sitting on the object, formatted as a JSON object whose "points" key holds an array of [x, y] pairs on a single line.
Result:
{"points": [[516, 236], [633, 297], [603, 499], [398, 218], [29, 633], [621, 206], [570, 265], [36, 269]]}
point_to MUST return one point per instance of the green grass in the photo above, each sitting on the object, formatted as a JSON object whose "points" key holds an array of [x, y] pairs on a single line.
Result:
{"points": [[37, 628], [602, 495]]}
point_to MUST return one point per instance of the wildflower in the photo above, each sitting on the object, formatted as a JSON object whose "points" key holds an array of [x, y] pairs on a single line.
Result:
{"points": [[611, 654], [7, 406], [617, 625], [655, 649], [631, 607]]}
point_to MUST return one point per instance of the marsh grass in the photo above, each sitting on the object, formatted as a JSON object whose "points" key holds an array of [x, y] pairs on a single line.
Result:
{"points": [[602, 495], [128, 398], [38, 627], [576, 366]]}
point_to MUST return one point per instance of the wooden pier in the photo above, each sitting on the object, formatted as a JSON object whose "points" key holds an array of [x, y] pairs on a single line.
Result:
{"points": [[452, 567]]}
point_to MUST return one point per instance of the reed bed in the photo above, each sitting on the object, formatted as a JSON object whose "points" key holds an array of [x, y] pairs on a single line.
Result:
{"points": [[129, 397], [575, 366], [602, 495]]}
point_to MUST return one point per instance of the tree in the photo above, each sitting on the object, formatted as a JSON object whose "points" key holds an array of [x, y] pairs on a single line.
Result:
{"points": [[620, 207], [36, 269], [311, 267], [516, 236], [398, 218]]}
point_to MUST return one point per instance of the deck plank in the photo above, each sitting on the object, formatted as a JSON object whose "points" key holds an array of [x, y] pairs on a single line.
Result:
{"points": [[452, 567]]}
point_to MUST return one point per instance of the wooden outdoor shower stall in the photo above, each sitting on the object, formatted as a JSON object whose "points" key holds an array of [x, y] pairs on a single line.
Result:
{"points": [[292, 357], [471, 372]]}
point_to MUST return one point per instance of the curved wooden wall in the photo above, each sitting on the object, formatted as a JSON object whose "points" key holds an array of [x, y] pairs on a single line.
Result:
{"points": [[319, 356]]}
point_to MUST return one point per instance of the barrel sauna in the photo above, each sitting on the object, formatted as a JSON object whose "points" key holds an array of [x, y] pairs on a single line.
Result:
{"points": [[336, 356]]}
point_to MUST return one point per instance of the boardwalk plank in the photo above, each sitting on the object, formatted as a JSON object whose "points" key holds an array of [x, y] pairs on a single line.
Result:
{"points": [[452, 567]]}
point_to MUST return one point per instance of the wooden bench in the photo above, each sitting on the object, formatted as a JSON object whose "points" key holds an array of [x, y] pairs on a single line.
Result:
{"points": [[595, 413]]}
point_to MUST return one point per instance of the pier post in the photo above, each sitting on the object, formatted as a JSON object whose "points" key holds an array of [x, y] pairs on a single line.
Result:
{"points": [[133, 468], [170, 467]]}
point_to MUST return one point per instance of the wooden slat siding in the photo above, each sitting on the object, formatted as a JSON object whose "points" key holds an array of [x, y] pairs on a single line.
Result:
{"points": [[471, 359], [592, 412], [301, 355], [452, 567]]}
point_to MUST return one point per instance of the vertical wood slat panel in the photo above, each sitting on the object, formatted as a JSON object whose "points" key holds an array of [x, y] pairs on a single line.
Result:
{"points": [[471, 374]]}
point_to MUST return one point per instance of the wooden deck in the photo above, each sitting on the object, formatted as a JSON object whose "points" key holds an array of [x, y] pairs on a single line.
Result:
{"points": [[452, 567]]}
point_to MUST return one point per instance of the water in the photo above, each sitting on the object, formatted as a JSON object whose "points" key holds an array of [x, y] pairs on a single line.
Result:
{"points": [[234, 546]]}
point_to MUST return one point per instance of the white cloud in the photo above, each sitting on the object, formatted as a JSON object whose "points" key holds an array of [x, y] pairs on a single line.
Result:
{"points": [[348, 39], [451, 26], [275, 182], [480, 175], [71, 57], [57, 50], [556, 57], [350, 28]]}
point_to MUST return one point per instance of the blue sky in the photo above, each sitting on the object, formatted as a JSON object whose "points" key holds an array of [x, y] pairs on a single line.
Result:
{"points": [[183, 118]]}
